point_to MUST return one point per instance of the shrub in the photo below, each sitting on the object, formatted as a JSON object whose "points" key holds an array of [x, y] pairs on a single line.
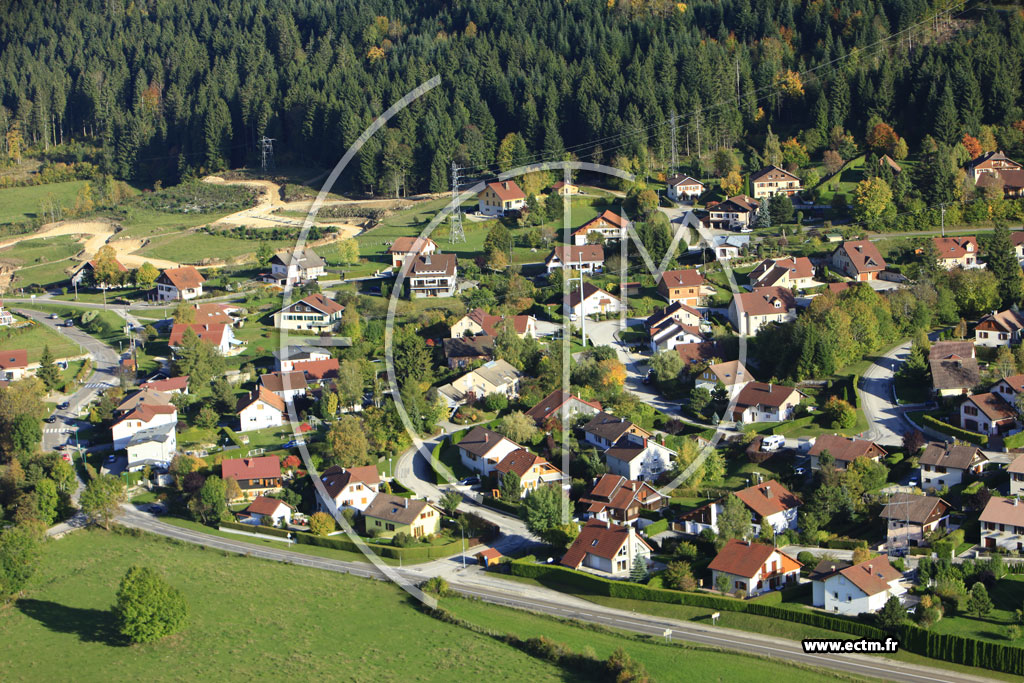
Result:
{"points": [[147, 607], [403, 540]]}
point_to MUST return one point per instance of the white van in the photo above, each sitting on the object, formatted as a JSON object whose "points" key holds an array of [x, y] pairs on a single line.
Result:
{"points": [[772, 442]]}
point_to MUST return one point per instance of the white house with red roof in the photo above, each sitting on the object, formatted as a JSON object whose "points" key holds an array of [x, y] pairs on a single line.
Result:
{"points": [[219, 335], [168, 385], [182, 284], [260, 409], [591, 300], [987, 414], [750, 311], [999, 328], [753, 568], [783, 272], [683, 187], [610, 225], [13, 364], [851, 589], [348, 487], [768, 500], [606, 548], [501, 197], [560, 404], [957, 251], [858, 259], [481, 449], [144, 416], [844, 450], [316, 312], [404, 247], [765, 402], [263, 507], [480, 322]]}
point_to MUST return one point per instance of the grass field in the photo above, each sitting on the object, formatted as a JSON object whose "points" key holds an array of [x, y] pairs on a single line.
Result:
{"points": [[194, 247], [44, 250], [249, 619], [23, 203], [1007, 595], [35, 338], [114, 322]]}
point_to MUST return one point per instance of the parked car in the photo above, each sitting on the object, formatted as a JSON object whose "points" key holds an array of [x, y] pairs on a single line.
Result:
{"points": [[800, 471], [294, 443], [53, 316], [64, 406], [772, 442], [470, 481], [69, 323], [50, 419]]}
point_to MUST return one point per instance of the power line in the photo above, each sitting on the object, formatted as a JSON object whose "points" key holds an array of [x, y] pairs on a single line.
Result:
{"points": [[456, 234], [266, 152]]}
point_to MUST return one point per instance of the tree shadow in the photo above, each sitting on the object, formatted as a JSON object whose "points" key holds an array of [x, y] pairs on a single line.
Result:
{"points": [[90, 625]]}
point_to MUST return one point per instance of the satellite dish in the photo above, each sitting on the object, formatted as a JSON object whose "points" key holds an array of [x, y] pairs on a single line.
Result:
{"points": [[550, 560]]}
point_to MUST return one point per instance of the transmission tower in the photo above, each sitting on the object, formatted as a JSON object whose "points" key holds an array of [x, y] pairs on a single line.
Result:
{"points": [[266, 152], [456, 234]]}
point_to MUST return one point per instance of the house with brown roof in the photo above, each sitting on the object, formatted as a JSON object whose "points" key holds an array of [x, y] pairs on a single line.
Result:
{"points": [[604, 430], [590, 300], [167, 385], [769, 499], [620, 500], [1002, 524], [316, 313], [910, 518], [750, 311], [182, 284], [84, 274], [432, 275], [672, 333], [13, 364], [255, 476], [783, 272], [677, 312], [316, 370], [218, 335], [260, 409], [347, 487], [987, 414], [951, 350], [957, 251], [387, 515], [460, 352], [609, 225], [886, 160], [858, 588], [606, 548], [501, 197], [773, 180], [533, 471], [681, 286], [704, 352], [588, 258], [945, 464], [997, 167], [954, 375], [560, 405], [481, 449], [642, 459], [753, 568], [565, 189], [999, 328], [1016, 472], [858, 259], [731, 374], [844, 450], [761, 402], [1009, 388], [735, 213], [295, 266], [480, 322], [286, 385], [681, 187], [404, 247], [276, 510]]}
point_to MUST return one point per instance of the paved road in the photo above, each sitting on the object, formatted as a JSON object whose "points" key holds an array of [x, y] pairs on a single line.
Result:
{"points": [[885, 417], [476, 584]]}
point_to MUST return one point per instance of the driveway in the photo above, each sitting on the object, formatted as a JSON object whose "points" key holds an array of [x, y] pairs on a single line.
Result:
{"points": [[885, 418]]}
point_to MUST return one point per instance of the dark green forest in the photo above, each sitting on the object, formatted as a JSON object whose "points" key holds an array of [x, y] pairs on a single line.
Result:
{"points": [[168, 88]]}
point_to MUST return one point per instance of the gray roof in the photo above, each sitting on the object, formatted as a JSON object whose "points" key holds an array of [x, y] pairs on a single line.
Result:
{"points": [[469, 347], [498, 372], [158, 434], [307, 258], [949, 455], [607, 426], [914, 509], [962, 373]]}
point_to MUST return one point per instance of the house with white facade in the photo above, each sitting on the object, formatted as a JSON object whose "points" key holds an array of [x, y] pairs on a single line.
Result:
{"points": [[481, 449], [296, 266], [559, 405], [286, 385], [501, 197], [591, 300], [604, 430], [735, 213], [609, 225], [144, 416], [761, 402], [218, 335], [727, 247], [13, 364], [152, 446], [1002, 524], [479, 322], [290, 357], [347, 487], [607, 549], [276, 510], [432, 275], [1016, 471], [672, 334], [179, 284], [682, 187], [987, 414], [315, 313], [999, 328], [731, 374], [533, 471], [261, 408], [404, 247], [858, 259], [768, 500], [750, 311], [753, 568], [588, 258], [642, 459], [783, 272], [851, 589], [844, 450], [677, 312], [946, 464], [957, 251], [493, 377]]}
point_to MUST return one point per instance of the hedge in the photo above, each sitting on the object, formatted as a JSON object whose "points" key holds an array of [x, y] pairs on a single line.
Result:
{"points": [[498, 504], [656, 527], [258, 529], [946, 647], [456, 437], [854, 396], [946, 428], [846, 544], [1013, 441], [235, 439]]}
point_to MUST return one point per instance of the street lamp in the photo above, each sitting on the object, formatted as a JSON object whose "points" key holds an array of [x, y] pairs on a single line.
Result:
{"points": [[462, 534]]}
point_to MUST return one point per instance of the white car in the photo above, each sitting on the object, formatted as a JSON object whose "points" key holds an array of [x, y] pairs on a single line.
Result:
{"points": [[772, 442]]}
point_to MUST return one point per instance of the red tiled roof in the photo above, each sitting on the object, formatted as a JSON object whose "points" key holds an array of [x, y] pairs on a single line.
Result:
{"points": [[243, 469], [768, 498], [1003, 511], [264, 505], [507, 190], [145, 413], [608, 217], [741, 558], [318, 369], [553, 402], [415, 245], [321, 303], [9, 360], [994, 406], [955, 247], [703, 351], [846, 449], [519, 461], [185, 277], [336, 478], [686, 277], [772, 173], [260, 393], [762, 301], [872, 576], [864, 255], [597, 538], [169, 384], [208, 332]]}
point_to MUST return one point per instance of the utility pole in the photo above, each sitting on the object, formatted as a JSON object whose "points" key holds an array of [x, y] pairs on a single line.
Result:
{"points": [[674, 162], [942, 218], [456, 234], [266, 152], [583, 305], [737, 81]]}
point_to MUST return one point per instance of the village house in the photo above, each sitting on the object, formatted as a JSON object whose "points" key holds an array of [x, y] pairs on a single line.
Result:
{"points": [[727, 247], [255, 476], [677, 312], [168, 385], [183, 283], [591, 300], [946, 465], [501, 197], [640, 458], [260, 409], [153, 447], [851, 589], [560, 405], [13, 364], [289, 357], [681, 286], [772, 181], [533, 471], [910, 518], [296, 266], [588, 258], [609, 225], [134, 420], [705, 352], [957, 252], [315, 313], [987, 414], [684, 188], [753, 568], [760, 402], [387, 515], [285, 385], [85, 272], [480, 322], [460, 352], [786, 272], [148, 397], [565, 189], [997, 167], [730, 374], [670, 335], [954, 367], [493, 377], [1009, 388], [481, 449], [404, 247], [318, 371], [735, 213], [432, 275], [620, 500], [218, 335], [844, 450], [6, 317], [262, 507], [999, 328], [347, 487], [750, 311], [1016, 472], [1002, 524], [606, 548], [604, 430], [768, 500], [859, 260], [217, 312]]}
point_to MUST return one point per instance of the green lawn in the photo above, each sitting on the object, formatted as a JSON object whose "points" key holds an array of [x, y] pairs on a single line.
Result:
{"points": [[22, 203], [1007, 595], [34, 338], [114, 323], [42, 250], [278, 625], [194, 247]]}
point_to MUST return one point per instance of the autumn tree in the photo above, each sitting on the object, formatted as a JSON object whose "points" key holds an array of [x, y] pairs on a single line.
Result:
{"points": [[833, 162], [882, 138], [872, 203], [347, 440], [106, 271], [972, 145], [731, 184], [321, 524], [145, 275]]}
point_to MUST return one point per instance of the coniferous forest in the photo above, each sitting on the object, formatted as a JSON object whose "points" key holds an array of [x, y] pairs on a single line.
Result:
{"points": [[166, 88]]}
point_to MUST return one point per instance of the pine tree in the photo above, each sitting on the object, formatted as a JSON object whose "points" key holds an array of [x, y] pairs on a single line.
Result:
{"points": [[48, 372], [947, 125], [638, 572], [1002, 262]]}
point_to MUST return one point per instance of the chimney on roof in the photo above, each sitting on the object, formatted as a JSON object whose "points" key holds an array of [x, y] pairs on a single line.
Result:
{"points": [[769, 387], [405, 502], [869, 569], [486, 437], [608, 523], [768, 491], [833, 567]]}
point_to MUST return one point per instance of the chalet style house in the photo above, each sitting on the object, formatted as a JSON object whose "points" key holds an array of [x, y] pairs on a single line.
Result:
{"points": [[911, 518], [773, 180], [1000, 328], [735, 213], [316, 313], [404, 247], [620, 500], [844, 450], [606, 548], [997, 167], [946, 465], [588, 258], [432, 275], [681, 286], [957, 252], [291, 267], [255, 476], [753, 568], [987, 414], [609, 225], [683, 187], [859, 260]]}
